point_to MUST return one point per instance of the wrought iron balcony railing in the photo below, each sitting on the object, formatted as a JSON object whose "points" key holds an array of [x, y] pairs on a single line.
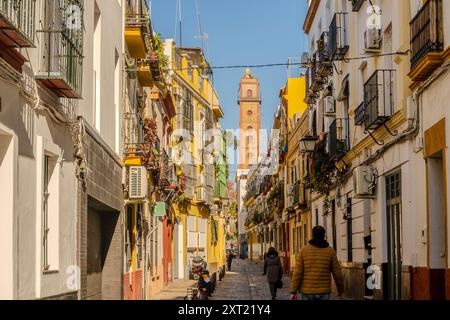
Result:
{"points": [[360, 116], [17, 22], [426, 31], [323, 47], [168, 174], [338, 33], [317, 80], [325, 67], [338, 140], [61, 68], [137, 13], [379, 97], [310, 97]]}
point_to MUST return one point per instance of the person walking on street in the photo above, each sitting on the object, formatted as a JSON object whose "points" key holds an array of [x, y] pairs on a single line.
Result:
{"points": [[314, 266], [273, 270], [230, 258]]}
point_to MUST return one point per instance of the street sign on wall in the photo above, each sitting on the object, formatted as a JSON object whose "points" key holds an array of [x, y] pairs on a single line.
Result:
{"points": [[159, 210]]}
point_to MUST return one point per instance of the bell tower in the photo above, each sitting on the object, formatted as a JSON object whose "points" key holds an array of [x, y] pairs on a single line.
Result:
{"points": [[250, 120]]}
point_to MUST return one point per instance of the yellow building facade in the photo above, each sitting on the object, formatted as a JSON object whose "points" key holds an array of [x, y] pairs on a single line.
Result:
{"points": [[199, 226]]}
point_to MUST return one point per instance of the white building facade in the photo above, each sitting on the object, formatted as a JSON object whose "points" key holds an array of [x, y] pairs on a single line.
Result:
{"points": [[370, 121], [47, 80]]}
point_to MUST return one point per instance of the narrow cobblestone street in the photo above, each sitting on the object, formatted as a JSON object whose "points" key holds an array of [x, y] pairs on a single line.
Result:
{"points": [[245, 281]]}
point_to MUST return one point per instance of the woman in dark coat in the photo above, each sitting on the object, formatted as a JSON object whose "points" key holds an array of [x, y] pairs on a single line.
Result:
{"points": [[273, 270]]}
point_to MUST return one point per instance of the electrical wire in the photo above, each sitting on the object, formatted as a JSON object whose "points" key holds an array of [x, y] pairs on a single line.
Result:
{"points": [[286, 64]]}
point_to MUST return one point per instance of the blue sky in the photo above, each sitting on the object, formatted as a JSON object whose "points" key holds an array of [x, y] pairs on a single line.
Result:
{"points": [[241, 32]]}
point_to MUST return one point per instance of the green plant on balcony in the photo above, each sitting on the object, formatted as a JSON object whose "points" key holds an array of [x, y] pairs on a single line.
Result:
{"points": [[273, 194], [159, 49], [323, 176], [150, 158], [181, 200], [257, 218]]}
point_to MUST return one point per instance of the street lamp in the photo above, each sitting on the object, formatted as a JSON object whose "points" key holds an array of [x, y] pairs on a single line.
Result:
{"points": [[308, 144]]}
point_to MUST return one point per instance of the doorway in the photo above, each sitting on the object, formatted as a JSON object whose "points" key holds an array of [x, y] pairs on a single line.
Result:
{"points": [[394, 235], [437, 224], [435, 162], [103, 246], [178, 251]]}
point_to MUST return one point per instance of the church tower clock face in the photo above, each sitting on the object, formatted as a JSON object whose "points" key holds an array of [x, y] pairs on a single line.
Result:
{"points": [[250, 120]]}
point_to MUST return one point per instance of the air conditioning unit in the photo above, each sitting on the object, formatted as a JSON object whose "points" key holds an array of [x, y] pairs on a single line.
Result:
{"points": [[137, 183], [372, 40], [329, 105], [364, 180], [200, 194]]}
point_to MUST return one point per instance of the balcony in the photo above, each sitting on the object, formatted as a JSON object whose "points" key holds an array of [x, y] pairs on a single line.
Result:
{"points": [[178, 60], [310, 94], [325, 67], [61, 66], [338, 39], [338, 139], [297, 195], [167, 176], [426, 40], [189, 180], [317, 81], [137, 29], [379, 98], [155, 66], [17, 21], [144, 73], [360, 117]]}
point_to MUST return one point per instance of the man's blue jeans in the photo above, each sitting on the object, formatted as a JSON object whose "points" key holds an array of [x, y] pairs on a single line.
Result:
{"points": [[322, 296]]}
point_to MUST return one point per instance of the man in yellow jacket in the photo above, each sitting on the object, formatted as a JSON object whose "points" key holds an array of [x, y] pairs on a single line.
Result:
{"points": [[314, 266]]}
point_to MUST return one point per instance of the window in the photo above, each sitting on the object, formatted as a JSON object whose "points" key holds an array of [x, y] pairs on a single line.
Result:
{"points": [[305, 234], [294, 176], [249, 113], [349, 230], [333, 222], [139, 235], [128, 237], [50, 211], [187, 111], [45, 226], [249, 93]]}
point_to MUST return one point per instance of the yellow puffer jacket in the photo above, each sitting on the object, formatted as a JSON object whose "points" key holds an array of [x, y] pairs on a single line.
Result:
{"points": [[313, 269]]}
